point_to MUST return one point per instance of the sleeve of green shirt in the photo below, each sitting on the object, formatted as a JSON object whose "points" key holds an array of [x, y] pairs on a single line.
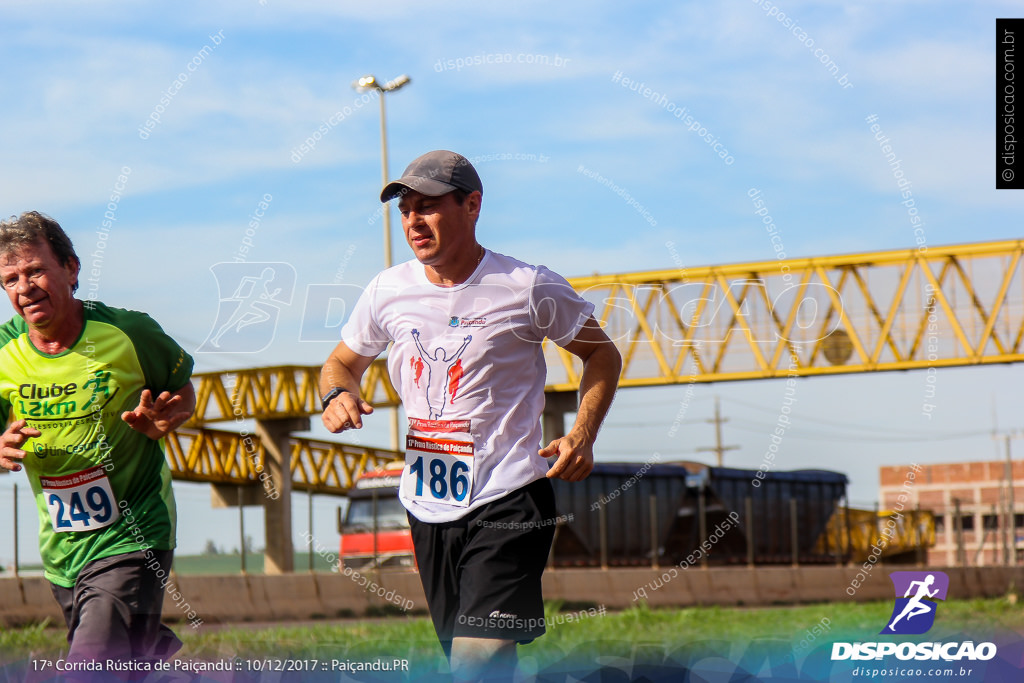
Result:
{"points": [[8, 332], [166, 365]]}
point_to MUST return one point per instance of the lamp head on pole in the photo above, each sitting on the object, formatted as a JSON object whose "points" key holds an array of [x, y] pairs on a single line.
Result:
{"points": [[364, 83], [396, 83], [371, 83]]}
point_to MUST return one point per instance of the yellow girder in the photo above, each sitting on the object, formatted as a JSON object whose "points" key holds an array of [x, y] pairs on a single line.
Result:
{"points": [[276, 392], [890, 310], [223, 457]]}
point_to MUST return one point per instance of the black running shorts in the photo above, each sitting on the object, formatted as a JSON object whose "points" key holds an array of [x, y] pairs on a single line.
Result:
{"points": [[482, 573]]}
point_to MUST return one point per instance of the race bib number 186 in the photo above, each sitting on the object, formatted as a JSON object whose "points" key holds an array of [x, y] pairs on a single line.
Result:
{"points": [[80, 502], [438, 470]]}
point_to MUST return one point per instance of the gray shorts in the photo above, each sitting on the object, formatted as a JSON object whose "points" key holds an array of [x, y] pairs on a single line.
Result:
{"points": [[113, 611]]}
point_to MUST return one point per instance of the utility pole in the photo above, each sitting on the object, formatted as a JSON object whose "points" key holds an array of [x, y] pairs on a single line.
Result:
{"points": [[719, 450], [1007, 502], [1011, 512]]}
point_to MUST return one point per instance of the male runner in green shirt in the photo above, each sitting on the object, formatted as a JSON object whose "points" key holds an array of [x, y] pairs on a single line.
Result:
{"points": [[91, 391]]}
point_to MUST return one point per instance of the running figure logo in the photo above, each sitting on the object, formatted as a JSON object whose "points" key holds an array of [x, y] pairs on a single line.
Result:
{"points": [[247, 318], [416, 363], [914, 613], [443, 372]]}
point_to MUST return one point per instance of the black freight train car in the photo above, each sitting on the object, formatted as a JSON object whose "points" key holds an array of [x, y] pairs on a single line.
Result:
{"points": [[736, 515]]}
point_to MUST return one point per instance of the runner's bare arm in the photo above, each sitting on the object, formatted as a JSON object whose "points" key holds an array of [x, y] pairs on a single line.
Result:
{"points": [[601, 366], [11, 441], [156, 418], [344, 369]]}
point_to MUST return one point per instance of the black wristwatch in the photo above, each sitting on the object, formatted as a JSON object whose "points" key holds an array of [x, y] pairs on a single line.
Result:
{"points": [[334, 393]]}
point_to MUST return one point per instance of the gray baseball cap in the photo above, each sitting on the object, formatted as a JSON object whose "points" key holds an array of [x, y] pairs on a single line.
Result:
{"points": [[434, 174]]}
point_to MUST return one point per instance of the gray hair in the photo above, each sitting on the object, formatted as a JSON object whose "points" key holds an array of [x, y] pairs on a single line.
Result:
{"points": [[33, 227]]}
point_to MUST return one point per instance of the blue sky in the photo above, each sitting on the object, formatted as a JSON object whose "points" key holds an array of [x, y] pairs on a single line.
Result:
{"points": [[528, 90]]}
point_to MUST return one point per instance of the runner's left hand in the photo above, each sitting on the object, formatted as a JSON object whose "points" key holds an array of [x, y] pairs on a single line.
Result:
{"points": [[156, 419], [575, 458]]}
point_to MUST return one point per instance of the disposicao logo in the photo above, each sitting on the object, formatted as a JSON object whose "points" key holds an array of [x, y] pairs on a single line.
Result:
{"points": [[914, 614], [916, 595]]}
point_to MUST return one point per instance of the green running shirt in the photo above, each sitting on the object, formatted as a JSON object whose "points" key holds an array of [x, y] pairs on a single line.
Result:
{"points": [[101, 488]]}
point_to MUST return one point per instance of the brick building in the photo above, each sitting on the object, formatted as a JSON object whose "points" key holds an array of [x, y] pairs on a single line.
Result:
{"points": [[983, 494]]}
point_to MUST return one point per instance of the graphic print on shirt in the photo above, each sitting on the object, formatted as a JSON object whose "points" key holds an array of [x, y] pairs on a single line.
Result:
{"points": [[454, 375], [444, 370], [416, 364], [58, 403]]}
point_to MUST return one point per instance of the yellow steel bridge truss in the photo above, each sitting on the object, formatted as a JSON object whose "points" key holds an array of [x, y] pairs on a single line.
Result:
{"points": [[893, 310], [225, 457]]}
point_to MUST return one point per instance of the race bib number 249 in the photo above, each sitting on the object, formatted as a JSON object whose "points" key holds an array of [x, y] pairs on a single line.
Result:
{"points": [[80, 502]]}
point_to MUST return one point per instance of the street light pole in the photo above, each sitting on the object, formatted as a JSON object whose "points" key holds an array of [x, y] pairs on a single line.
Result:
{"points": [[1011, 558], [371, 83], [384, 181]]}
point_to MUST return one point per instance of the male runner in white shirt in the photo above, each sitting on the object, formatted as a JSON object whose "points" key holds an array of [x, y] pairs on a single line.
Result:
{"points": [[467, 325]]}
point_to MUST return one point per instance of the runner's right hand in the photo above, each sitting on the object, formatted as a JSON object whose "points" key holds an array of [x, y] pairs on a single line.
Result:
{"points": [[345, 411], [11, 441]]}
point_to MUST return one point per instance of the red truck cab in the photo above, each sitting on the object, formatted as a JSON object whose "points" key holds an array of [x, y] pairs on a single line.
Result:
{"points": [[375, 529]]}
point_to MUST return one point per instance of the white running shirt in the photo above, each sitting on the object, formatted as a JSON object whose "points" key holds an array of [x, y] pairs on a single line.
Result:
{"points": [[468, 365]]}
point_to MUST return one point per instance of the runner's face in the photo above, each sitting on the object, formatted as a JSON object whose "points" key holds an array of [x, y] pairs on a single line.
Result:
{"points": [[439, 229], [38, 286]]}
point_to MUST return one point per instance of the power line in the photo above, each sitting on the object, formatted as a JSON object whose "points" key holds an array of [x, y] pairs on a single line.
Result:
{"points": [[848, 425], [603, 452], [648, 425], [796, 433], [624, 404]]}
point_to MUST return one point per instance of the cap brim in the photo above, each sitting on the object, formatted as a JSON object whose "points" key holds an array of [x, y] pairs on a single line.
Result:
{"points": [[427, 186]]}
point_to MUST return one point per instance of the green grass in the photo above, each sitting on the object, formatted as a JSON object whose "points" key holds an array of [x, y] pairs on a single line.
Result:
{"points": [[232, 563], [18, 643], [620, 633], [226, 563]]}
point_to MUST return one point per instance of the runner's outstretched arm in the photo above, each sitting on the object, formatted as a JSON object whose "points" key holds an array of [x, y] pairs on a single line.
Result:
{"points": [[601, 367], [344, 369]]}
